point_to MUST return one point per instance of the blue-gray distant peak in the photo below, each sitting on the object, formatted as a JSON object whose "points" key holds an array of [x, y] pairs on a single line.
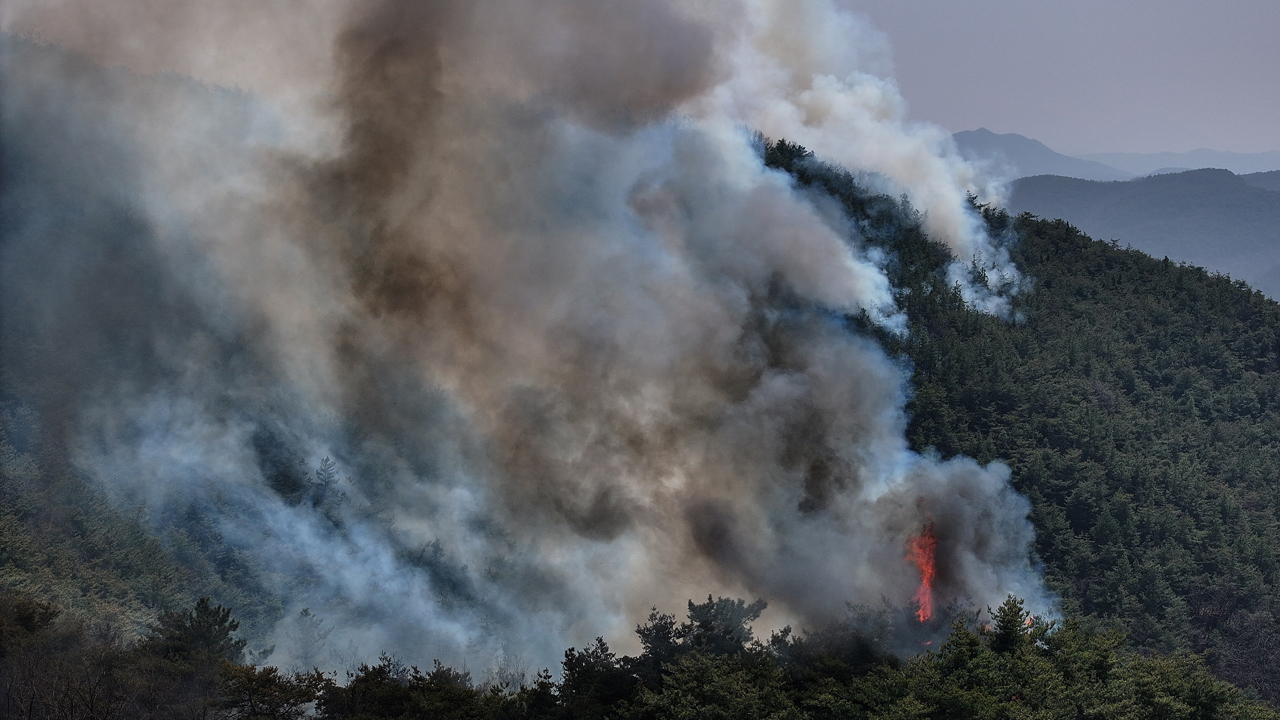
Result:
{"points": [[1264, 180], [1148, 163], [1208, 217], [1021, 156]]}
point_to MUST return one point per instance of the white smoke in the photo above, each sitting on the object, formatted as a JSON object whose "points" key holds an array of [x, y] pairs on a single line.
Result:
{"points": [[520, 269]]}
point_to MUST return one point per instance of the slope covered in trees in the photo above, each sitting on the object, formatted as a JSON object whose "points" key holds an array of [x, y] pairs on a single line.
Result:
{"points": [[1138, 405], [62, 541], [709, 666]]}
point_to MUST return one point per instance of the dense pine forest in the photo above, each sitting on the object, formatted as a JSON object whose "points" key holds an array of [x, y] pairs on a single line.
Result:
{"points": [[1136, 400], [709, 666]]}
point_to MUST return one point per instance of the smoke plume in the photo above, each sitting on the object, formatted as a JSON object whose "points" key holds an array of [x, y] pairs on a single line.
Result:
{"points": [[481, 325]]}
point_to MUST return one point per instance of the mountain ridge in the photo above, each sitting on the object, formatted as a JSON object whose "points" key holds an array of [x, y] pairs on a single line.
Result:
{"points": [[1211, 218], [1144, 163], [1019, 156], [1013, 155], [1266, 180]]}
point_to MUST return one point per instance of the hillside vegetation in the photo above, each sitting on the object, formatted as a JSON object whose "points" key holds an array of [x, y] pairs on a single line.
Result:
{"points": [[709, 666], [1138, 408], [1138, 405], [61, 541]]}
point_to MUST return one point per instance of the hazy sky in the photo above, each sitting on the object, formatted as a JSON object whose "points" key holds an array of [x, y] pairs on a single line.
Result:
{"points": [[1092, 75]]}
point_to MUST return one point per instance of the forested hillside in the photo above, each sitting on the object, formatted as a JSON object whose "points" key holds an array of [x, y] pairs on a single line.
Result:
{"points": [[61, 541], [1138, 405], [708, 666]]}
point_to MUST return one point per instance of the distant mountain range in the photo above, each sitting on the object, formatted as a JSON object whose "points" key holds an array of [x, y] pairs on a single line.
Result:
{"points": [[1211, 218], [1148, 163], [1268, 180], [1017, 156], [1191, 207]]}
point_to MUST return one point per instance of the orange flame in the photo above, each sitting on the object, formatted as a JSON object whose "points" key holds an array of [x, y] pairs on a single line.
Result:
{"points": [[920, 551]]}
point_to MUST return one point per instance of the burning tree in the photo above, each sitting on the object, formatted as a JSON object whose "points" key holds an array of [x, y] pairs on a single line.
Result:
{"points": [[920, 551]]}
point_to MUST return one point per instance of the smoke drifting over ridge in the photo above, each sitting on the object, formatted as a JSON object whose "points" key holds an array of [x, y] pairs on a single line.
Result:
{"points": [[519, 270]]}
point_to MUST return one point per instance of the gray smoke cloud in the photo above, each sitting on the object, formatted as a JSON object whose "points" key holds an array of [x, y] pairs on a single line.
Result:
{"points": [[517, 268]]}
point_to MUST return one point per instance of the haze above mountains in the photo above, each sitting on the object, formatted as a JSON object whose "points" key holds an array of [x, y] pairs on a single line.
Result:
{"points": [[1022, 156], [1216, 210]]}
